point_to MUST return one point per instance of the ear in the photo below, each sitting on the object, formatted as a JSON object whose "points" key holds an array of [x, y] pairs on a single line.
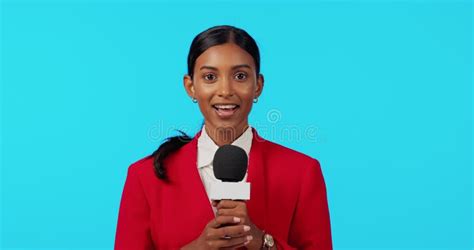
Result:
{"points": [[188, 85], [259, 89]]}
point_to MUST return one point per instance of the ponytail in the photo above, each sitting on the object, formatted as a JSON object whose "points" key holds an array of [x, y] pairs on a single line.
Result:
{"points": [[169, 146]]}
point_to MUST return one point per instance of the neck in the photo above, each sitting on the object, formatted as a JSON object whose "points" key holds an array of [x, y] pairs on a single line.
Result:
{"points": [[225, 135]]}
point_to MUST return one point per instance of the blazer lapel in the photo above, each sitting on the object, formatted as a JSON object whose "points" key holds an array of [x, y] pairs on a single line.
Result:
{"points": [[197, 198], [256, 206]]}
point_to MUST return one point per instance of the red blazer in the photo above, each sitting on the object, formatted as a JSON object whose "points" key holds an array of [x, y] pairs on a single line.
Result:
{"points": [[287, 200]]}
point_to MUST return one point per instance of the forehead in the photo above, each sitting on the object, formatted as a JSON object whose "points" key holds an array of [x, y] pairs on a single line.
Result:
{"points": [[224, 56]]}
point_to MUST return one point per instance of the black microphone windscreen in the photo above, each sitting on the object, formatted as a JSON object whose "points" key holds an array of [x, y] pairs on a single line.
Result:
{"points": [[230, 163]]}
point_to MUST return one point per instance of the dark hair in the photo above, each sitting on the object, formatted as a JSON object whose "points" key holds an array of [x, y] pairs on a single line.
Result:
{"points": [[213, 36], [218, 35]]}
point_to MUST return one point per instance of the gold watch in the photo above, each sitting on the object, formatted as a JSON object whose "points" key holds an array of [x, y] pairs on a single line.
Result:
{"points": [[268, 241]]}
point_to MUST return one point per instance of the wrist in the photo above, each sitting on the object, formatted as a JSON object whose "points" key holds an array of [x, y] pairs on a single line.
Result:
{"points": [[257, 242]]}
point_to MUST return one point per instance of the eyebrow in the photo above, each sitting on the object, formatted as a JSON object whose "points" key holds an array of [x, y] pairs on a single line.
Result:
{"points": [[233, 67]]}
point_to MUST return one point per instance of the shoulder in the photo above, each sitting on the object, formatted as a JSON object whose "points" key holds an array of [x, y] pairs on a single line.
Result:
{"points": [[141, 167], [289, 165], [292, 167], [286, 158]]}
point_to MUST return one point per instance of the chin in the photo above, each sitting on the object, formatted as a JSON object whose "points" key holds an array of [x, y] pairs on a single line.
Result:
{"points": [[225, 124]]}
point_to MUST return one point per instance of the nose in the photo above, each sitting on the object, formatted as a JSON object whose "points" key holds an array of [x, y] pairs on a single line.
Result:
{"points": [[225, 88]]}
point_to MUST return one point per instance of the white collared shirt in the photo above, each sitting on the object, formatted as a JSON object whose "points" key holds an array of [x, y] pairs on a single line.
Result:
{"points": [[206, 150]]}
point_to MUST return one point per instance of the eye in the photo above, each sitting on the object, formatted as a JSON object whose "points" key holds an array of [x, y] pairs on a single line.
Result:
{"points": [[241, 76], [209, 77]]}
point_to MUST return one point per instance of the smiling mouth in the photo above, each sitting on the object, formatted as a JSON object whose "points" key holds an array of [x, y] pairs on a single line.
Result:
{"points": [[225, 106], [225, 110]]}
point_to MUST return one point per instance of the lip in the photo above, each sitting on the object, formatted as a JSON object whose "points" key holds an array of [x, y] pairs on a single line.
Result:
{"points": [[225, 114], [225, 104]]}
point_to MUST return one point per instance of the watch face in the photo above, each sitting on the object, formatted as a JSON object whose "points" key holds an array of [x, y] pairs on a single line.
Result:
{"points": [[268, 240]]}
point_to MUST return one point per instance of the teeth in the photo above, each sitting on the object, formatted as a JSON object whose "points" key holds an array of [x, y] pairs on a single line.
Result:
{"points": [[231, 106]]}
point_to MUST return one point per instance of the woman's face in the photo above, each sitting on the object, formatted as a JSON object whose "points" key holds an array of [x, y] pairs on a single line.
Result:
{"points": [[224, 84]]}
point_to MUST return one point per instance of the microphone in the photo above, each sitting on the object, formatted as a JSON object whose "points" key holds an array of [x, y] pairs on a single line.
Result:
{"points": [[230, 166]]}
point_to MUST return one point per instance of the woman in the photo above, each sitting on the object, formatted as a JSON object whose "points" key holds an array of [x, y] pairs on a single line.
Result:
{"points": [[165, 203]]}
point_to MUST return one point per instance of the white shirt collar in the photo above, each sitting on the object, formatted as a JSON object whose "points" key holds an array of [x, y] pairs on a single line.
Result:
{"points": [[207, 148]]}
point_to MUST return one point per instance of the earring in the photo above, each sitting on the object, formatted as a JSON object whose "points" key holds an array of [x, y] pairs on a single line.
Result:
{"points": [[194, 100], [255, 100]]}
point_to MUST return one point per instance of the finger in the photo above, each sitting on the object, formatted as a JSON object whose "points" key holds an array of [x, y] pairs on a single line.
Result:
{"points": [[234, 242], [227, 232], [229, 204], [232, 231], [241, 213], [222, 220]]}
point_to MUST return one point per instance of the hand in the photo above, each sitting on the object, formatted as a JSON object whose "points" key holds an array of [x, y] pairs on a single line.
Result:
{"points": [[239, 209], [223, 232]]}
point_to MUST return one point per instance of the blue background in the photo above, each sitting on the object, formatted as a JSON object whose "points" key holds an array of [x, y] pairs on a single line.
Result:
{"points": [[88, 87]]}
